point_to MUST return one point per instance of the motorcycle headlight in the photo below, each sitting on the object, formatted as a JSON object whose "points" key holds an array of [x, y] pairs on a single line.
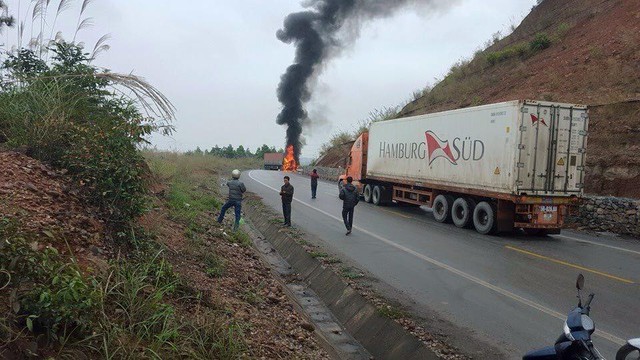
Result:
{"points": [[587, 323], [567, 332]]}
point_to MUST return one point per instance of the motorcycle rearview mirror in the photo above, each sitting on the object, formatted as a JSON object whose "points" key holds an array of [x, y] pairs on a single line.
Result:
{"points": [[580, 282]]}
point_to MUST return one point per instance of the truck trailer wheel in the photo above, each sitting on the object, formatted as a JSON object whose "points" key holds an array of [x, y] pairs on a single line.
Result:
{"points": [[377, 195], [484, 218], [462, 211], [442, 208], [366, 193]]}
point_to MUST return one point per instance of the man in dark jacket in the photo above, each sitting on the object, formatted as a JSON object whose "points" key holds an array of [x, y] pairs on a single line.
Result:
{"points": [[236, 189], [350, 198], [314, 183], [286, 193]]}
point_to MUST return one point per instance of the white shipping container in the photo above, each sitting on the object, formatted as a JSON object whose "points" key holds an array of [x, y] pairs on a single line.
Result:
{"points": [[517, 147]]}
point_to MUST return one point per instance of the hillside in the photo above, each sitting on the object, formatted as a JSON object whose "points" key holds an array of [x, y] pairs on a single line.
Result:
{"points": [[589, 53]]}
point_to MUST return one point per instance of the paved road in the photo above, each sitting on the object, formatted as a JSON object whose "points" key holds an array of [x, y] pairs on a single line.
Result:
{"points": [[514, 290]]}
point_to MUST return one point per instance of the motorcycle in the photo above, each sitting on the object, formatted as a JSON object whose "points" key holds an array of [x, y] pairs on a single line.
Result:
{"points": [[575, 342], [629, 351]]}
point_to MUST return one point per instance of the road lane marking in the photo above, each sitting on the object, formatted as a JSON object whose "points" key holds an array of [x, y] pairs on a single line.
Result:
{"points": [[569, 264], [599, 244], [499, 290]]}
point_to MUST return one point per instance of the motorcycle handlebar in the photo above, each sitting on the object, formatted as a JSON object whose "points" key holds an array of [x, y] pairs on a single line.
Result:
{"points": [[586, 305]]}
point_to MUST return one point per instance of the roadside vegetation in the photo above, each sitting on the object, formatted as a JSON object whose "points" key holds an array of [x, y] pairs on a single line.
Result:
{"points": [[115, 294], [239, 152]]}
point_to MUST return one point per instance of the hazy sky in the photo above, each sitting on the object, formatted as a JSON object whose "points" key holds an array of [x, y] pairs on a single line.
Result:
{"points": [[219, 62]]}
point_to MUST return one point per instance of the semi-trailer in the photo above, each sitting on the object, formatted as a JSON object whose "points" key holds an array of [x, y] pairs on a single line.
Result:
{"points": [[273, 161], [497, 167]]}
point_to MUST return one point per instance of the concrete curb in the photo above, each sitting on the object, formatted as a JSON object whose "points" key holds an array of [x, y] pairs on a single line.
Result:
{"points": [[381, 336]]}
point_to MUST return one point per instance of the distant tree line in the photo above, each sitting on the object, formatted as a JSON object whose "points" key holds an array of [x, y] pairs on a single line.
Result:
{"points": [[240, 152]]}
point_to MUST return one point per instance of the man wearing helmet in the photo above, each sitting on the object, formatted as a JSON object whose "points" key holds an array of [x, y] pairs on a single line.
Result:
{"points": [[236, 189]]}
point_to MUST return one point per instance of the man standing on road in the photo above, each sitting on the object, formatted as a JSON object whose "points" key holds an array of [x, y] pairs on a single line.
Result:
{"points": [[350, 198], [236, 189], [286, 193], [314, 183]]}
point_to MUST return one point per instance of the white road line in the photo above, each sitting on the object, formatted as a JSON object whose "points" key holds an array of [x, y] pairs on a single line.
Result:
{"points": [[598, 244], [542, 308]]}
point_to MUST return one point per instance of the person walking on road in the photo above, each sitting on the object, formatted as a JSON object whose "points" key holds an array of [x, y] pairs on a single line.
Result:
{"points": [[314, 183], [350, 198], [286, 193], [236, 189]]}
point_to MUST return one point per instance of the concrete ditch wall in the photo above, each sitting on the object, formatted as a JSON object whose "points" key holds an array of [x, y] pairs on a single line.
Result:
{"points": [[381, 336]]}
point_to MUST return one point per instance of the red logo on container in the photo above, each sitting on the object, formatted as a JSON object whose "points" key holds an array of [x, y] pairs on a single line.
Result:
{"points": [[534, 119], [438, 148]]}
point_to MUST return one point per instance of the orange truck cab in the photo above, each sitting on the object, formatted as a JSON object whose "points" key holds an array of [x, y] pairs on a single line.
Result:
{"points": [[357, 162]]}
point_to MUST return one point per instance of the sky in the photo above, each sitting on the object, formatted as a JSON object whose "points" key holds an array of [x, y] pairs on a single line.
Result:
{"points": [[219, 62]]}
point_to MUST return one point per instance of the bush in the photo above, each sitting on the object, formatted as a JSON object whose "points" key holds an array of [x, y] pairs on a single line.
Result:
{"points": [[67, 113], [540, 42], [50, 296], [521, 50]]}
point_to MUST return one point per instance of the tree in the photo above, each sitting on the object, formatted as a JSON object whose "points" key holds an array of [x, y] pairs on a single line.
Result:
{"points": [[263, 149], [216, 151], [240, 151], [228, 152]]}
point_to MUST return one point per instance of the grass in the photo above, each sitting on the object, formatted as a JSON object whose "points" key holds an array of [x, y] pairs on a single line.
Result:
{"points": [[277, 221], [252, 295], [351, 273], [214, 265], [392, 312], [318, 254], [303, 242], [332, 260], [241, 238], [131, 310]]}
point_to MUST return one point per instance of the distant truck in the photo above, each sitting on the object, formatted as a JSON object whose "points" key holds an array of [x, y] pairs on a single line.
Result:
{"points": [[273, 161], [498, 167]]}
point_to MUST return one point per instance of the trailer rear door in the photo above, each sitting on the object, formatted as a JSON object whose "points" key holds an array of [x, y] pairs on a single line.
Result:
{"points": [[553, 139]]}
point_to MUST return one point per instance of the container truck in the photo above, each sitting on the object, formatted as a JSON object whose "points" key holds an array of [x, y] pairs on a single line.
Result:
{"points": [[497, 167], [273, 161]]}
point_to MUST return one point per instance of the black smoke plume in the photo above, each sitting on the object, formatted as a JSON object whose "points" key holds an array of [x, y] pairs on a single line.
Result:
{"points": [[319, 33]]}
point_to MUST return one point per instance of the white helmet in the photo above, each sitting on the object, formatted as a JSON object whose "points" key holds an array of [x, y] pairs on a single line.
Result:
{"points": [[235, 174]]}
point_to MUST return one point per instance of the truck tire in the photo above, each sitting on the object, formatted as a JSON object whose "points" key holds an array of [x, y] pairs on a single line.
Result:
{"points": [[366, 193], [462, 212], [484, 218], [378, 195], [442, 208]]}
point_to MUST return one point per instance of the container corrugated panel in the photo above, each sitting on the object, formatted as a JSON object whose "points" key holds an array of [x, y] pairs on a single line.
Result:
{"points": [[273, 158], [493, 147]]}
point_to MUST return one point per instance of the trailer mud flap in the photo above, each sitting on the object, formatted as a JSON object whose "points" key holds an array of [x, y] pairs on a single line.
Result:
{"points": [[505, 216]]}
